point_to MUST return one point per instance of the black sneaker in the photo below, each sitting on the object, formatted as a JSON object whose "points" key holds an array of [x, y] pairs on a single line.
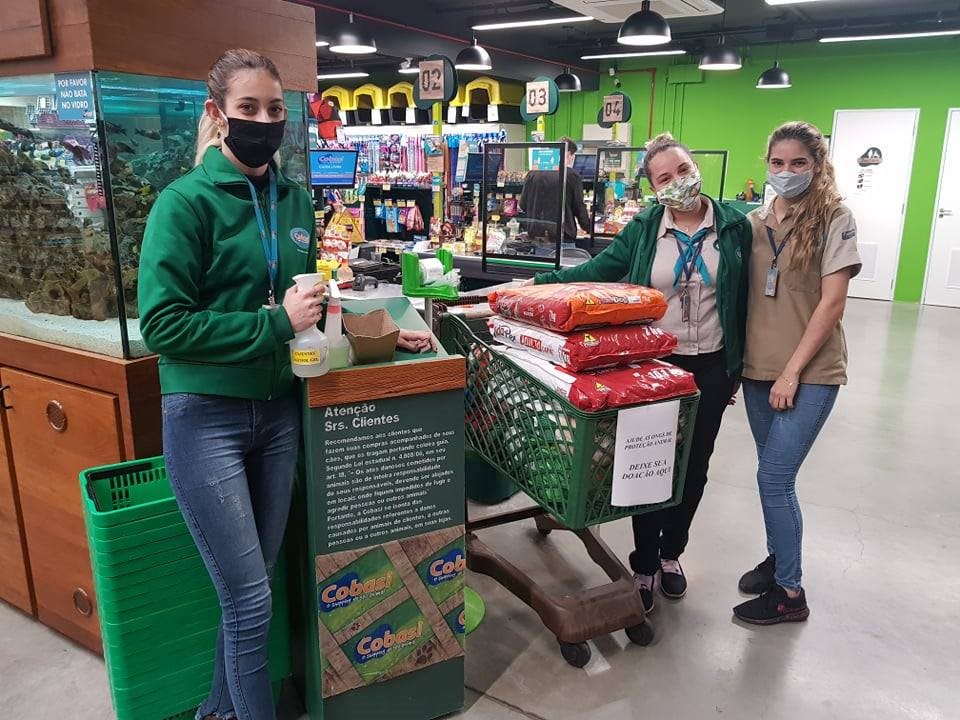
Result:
{"points": [[673, 584], [773, 607], [760, 579], [644, 585]]}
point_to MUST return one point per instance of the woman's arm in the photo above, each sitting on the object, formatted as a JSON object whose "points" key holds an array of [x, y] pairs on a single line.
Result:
{"points": [[833, 301], [611, 265], [171, 271]]}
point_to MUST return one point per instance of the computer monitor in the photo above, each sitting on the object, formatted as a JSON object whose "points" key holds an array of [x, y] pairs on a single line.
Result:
{"points": [[333, 168], [585, 165], [474, 173]]}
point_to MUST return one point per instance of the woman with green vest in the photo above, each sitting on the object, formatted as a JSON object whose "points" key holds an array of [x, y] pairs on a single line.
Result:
{"points": [[695, 251]]}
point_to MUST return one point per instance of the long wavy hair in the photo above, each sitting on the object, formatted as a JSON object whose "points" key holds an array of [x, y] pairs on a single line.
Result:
{"points": [[818, 204], [218, 83]]}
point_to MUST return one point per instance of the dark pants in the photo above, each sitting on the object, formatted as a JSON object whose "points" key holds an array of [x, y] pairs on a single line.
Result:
{"points": [[664, 533]]}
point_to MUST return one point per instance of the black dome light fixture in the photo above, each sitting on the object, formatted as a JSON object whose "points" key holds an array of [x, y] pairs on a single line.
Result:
{"points": [[474, 57], [775, 78], [721, 57], [351, 40], [567, 81], [644, 28]]}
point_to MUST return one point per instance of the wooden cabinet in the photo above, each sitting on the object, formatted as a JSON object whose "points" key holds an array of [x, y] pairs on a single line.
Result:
{"points": [[14, 573], [66, 411], [67, 429]]}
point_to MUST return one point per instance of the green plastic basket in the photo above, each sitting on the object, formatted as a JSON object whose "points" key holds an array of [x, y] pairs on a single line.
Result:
{"points": [[158, 610], [559, 455]]}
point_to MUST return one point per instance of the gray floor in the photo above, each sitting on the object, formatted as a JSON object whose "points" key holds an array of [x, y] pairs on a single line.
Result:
{"points": [[881, 503]]}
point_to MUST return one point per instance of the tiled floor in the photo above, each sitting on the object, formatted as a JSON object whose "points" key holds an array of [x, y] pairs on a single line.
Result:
{"points": [[881, 499]]}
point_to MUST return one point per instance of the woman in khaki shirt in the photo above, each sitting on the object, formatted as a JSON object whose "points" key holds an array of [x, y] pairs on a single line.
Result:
{"points": [[804, 255]]}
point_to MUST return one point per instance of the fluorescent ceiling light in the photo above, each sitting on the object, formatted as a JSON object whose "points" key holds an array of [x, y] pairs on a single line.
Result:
{"points": [[340, 75], [893, 36], [323, 43], [607, 56], [534, 23], [415, 70]]}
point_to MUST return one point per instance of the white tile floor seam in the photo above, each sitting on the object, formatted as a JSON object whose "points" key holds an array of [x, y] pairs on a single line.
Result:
{"points": [[881, 502]]}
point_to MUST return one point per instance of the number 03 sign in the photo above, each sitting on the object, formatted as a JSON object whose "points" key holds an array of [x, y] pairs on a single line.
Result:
{"points": [[541, 97]]}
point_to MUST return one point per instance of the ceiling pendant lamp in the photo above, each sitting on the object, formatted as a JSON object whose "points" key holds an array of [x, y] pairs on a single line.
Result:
{"points": [[567, 81], [352, 41], [644, 28], [721, 57], [775, 78], [473, 57]]}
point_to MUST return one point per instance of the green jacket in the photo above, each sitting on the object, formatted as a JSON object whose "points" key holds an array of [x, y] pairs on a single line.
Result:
{"points": [[631, 255], [203, 283]]}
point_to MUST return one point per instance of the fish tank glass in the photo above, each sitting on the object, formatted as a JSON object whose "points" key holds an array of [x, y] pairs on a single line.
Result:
{"points": [[83, 157]]}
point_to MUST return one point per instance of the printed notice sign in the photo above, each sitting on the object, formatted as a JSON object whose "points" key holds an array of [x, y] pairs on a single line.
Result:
{"points": [[74, 98], [645, 454]]}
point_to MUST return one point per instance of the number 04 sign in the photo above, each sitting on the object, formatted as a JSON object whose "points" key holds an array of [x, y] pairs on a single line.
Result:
{"points": [[612, 109], [432, 80], [538, 97]]}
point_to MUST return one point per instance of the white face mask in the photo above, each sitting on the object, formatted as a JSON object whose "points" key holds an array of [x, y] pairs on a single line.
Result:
{"points": [[788, 184], [682, 194]]}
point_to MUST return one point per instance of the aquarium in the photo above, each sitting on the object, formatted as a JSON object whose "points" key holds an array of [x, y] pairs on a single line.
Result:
{"points": [[83, 157]]}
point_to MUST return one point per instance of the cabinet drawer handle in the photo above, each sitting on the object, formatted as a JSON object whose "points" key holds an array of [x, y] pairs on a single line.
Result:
{"points": [[3, 397], [82, 603], [57, 416]]}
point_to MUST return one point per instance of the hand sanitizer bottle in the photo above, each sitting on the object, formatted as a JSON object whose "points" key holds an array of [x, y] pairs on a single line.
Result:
{"points": [[310, 349], [333, 329]]}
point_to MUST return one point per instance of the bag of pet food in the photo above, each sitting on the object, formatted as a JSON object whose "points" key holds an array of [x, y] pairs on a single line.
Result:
{"points": [[568, 306], [586, 349], [646, 381]]}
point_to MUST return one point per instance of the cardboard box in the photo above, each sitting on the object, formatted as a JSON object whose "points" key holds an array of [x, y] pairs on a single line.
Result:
{"points": [[373, 336]]}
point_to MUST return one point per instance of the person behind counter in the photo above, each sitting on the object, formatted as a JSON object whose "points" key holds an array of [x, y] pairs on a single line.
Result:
{"points": [[804, 256], [540, 198], [220, 244], [695, 251]]}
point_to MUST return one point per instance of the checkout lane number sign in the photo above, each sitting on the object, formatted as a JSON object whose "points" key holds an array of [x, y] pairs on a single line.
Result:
{"points": [[612, 108], [432, 80], [538, 97]]}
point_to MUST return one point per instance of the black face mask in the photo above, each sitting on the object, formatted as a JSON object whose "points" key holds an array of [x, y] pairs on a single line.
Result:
{"points": [[254, 143]]}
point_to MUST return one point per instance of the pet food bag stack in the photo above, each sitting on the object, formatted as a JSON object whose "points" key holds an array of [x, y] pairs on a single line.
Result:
{"points": [[590, 342]]}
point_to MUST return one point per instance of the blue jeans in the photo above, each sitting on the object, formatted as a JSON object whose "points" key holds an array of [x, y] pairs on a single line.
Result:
{"points": [[231, 465], [783, 441]]}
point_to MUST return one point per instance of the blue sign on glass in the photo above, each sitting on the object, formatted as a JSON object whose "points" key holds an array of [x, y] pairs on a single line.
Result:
{"points": [[545, 158], [74, 96], [333, 168]]}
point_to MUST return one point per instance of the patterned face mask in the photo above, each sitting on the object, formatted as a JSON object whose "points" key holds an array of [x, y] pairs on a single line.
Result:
{"points": [[682, 194]]}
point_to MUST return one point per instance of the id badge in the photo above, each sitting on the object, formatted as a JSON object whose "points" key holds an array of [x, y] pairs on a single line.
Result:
{"points": [[773, 275]]}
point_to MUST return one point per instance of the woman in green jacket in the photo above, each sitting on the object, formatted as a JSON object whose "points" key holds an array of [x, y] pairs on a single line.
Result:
{"points": [[695, 251]]}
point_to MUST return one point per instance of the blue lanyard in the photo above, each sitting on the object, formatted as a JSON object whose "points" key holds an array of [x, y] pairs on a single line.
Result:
{"points": [[690, 256], [773, 245], [269, 246]]}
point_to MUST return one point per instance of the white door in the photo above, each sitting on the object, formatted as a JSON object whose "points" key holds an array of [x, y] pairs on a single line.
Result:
{"points": [[943, 262], [872, 151]]}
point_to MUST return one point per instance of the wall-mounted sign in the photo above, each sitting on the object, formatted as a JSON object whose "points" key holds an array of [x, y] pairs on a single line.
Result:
{"points": [[437, 82], [616, 108], [541, 97]]}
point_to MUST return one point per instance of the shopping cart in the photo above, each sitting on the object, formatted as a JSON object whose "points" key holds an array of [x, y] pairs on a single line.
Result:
{"points": [[562, 458]]}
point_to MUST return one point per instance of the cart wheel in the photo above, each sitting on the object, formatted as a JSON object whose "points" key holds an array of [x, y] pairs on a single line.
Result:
{"points": [[577, 654], [640, 634], [544, 531]]}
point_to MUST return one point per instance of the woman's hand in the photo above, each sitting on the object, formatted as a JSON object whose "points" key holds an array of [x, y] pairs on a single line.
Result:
{"points": [[528, 282], [784, 390], [736, 390], [304, 308], [417, 341]]}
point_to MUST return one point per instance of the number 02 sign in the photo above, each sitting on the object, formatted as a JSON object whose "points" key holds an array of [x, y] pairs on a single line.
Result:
{"points": [[431, 80], [613, 108], [538, 97]]}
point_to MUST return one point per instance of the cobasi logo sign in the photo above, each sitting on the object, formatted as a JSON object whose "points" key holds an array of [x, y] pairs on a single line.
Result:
{"points": [[447, 567], [384, 639], [349, 587]]}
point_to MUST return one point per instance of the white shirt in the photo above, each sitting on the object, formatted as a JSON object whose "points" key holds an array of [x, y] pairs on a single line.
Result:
{"points": [[703, 333]]}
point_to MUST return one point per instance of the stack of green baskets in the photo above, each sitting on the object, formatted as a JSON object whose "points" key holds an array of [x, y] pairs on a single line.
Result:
{"points": [[158, 609]]}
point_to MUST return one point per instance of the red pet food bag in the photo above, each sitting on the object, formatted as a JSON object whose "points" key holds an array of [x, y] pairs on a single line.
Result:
{"points": [[566, 307], [586, 349], [646, 381]]}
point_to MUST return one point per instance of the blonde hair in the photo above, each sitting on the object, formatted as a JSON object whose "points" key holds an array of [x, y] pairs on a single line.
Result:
{"points": [[812, 214], [218, 83], [663, 141]]}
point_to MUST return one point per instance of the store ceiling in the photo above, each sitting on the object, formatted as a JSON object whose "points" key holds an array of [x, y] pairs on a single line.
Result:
{"points": [[408, 29]]}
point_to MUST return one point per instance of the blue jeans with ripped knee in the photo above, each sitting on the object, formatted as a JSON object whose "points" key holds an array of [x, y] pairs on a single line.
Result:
{"points": [[783, 441], [231, 464]]}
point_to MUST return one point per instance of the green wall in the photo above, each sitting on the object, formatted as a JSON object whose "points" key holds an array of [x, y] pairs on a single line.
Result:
{"points": [[724, 110]]}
